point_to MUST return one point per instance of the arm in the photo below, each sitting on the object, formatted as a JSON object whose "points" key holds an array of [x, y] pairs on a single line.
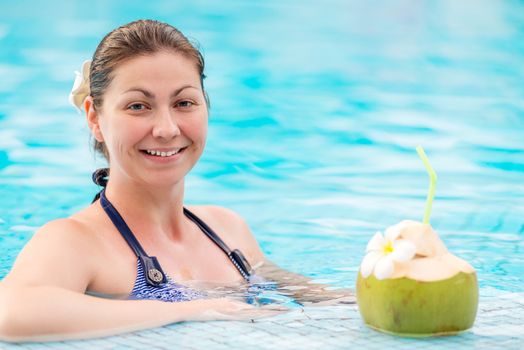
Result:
{"points": [[299, 287], [43, 297], [47, 313], [302, 289]]}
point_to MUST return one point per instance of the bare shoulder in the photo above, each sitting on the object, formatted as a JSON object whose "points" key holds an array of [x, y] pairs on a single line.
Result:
{"points": [[221, 215], [226, 222], [56, 255], [232, 228]]}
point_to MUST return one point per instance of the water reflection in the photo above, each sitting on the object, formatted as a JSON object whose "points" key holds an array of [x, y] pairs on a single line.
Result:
{"points": [[274, 285]]}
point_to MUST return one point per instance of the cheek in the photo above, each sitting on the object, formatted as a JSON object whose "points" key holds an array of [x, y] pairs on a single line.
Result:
{"points": [[121, 134], [132, 131], [196, 129], [203, 132]]}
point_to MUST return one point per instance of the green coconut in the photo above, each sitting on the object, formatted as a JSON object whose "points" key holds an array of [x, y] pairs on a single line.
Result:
{"points": [[432, 293], [407, 307]]}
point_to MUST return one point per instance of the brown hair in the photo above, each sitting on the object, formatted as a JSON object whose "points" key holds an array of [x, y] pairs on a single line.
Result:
{"points": [[142, 37]]}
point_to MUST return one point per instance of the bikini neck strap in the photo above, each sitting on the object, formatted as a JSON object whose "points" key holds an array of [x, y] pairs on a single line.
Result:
{"points": [[100, 177], [150, 265]]}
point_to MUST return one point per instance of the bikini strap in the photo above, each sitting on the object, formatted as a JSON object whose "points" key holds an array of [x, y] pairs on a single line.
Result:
{"points": [[153, 271], [155, 276], [237, 258]]}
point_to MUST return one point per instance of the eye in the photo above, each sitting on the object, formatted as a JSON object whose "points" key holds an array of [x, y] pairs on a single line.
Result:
{"points": [[137, 107], [185, 104]]}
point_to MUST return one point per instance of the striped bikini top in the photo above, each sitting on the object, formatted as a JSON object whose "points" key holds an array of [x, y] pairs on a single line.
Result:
{"points": [[151, 281]]}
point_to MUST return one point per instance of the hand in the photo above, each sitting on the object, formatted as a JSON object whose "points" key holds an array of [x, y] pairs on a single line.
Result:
{"points": [[345, 300], [230, 309]]}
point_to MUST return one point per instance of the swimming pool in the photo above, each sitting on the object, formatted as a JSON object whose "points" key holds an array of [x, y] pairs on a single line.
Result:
{"points": [[316, 110]]}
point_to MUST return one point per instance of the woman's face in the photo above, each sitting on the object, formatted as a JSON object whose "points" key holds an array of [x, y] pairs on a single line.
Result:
{"points": [[153, 119]]}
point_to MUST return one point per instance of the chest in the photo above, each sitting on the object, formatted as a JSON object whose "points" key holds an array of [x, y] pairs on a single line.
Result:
{"points": [[196, 260]]}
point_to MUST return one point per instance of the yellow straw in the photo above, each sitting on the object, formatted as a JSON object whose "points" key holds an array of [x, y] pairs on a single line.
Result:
{"points": [[432, 183]]}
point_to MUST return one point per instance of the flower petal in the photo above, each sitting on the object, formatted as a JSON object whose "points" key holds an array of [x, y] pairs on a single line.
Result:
{"points": [[368, 263], [384, 268], [376, 242], [81, 87], [403, 250], [78, 81], [392, 232], [86, 66]]}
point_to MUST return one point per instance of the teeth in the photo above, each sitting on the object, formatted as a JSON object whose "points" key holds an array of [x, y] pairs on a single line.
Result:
{"points": [[162, 154]]}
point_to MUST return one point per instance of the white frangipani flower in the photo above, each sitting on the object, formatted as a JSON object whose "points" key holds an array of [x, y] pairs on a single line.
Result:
{"points": [[384, 251], [80, 87]]}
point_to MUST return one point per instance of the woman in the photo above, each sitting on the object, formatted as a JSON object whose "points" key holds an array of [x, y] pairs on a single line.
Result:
{"points": [[147, 109]]}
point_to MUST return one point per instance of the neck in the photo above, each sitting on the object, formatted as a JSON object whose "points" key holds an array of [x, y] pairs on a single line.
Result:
{"points": [[152, 213]]}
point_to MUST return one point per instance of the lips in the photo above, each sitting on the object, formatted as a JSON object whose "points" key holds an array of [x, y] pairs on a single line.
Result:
{"points": [[163, 152]]}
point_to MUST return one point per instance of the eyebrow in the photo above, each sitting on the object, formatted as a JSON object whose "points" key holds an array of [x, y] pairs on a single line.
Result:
{"points": [[149, 94]]}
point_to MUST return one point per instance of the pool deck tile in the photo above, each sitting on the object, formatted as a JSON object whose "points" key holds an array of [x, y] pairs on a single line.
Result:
{"points": [[499, 323]]}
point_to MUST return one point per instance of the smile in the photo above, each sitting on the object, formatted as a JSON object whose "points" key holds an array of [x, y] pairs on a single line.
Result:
{"points": [[164, 153]]}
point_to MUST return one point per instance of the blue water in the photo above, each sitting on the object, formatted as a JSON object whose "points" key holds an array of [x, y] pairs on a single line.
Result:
{"points": [[316, 110]]}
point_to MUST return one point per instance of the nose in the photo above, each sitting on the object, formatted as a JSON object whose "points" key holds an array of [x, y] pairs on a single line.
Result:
{"points": [[166, 126]]}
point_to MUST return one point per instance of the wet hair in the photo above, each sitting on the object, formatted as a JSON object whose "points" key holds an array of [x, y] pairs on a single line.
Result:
{"points": [[138, 38]]}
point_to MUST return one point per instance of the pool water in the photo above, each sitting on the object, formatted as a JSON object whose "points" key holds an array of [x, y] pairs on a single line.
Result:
{"points": [[316, 109]]}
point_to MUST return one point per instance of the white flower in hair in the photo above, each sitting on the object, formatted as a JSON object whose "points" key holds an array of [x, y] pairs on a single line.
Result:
{"points": [[80, 87], [384, 251]]}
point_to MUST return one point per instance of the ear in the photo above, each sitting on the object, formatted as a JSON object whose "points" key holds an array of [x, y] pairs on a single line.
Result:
{"points": [[92, 119]]}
